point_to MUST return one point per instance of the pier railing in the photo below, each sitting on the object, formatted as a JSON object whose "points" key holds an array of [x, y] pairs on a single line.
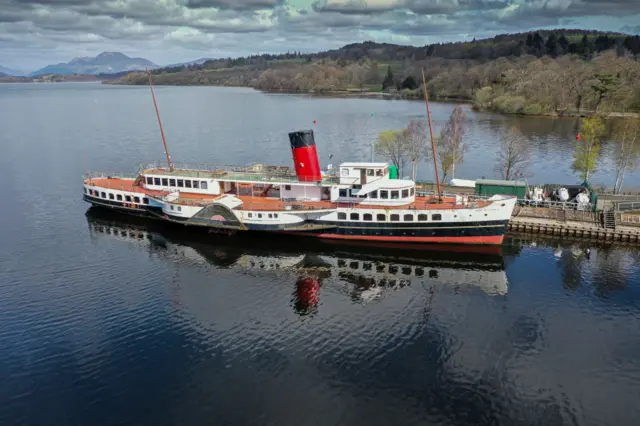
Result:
{"points": [[627, 206], [557, 205]]}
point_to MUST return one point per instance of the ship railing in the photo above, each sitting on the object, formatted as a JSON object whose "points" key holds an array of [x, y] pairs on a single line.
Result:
{"points": [[470, 197], [253, 172], [112, 175], [181, 166], [212, 168]]}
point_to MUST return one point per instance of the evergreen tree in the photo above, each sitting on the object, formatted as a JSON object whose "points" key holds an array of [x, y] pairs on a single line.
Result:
{"points": [[606, 84], [552, 45], [585, 46], [632, 44], [574, 48], [601, 43], [529, 42], [538, 44], [563, 42], [388, 80], [409, 83]]}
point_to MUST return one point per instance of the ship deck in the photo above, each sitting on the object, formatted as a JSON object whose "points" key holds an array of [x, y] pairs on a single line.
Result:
{"points": [[265, 203], [247, 175]]}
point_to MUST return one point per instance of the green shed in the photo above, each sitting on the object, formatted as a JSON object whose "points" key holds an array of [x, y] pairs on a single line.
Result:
{"points": [[393, 172], [489, 187]]}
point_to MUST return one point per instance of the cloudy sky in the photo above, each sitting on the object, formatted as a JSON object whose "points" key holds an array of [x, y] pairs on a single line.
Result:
{"points": [[34, 33]]}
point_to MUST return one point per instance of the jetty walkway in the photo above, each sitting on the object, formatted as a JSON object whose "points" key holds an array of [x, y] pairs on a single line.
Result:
{"points": [[609, 225]]}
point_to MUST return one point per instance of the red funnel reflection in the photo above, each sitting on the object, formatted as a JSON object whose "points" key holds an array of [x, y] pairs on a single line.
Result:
{"points": [[306, 295]]}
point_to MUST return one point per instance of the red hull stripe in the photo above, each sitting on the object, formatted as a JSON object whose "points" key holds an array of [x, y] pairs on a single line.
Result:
{"points": [[495, 239]]}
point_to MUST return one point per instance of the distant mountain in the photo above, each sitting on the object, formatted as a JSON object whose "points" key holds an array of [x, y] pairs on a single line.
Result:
{"points": [[104, 63], [9, 71], [195, 62]]}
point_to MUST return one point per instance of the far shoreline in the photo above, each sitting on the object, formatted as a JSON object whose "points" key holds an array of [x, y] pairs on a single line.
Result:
{"points": [[341, 94], [357, 94]]}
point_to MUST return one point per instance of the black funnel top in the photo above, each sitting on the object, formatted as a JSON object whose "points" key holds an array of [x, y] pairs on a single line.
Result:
{"points": [[301, 139]]}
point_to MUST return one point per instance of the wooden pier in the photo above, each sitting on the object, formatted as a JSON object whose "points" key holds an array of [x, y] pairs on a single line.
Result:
{"points": [[584, 230]]}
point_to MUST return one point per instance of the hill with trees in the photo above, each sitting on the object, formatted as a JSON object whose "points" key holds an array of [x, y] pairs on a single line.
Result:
{"points": [[563, 72]]}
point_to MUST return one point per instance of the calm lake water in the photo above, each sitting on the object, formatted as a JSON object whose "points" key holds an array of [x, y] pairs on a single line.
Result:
{"points": [[109, 320], [96, 126]]}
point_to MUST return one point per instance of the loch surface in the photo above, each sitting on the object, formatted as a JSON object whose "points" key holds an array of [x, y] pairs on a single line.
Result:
{"points": [[109, 320]]}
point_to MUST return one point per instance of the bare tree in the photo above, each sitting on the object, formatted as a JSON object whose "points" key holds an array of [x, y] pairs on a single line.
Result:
{"points": [[513, 157], [451, 147], [391, 145], [415, 140], [585, 157], [576, 82], [628, 137]]}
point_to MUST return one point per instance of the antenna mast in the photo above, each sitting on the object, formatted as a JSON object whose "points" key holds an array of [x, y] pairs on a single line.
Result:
{"points": [[433, 144], [164, 140]]}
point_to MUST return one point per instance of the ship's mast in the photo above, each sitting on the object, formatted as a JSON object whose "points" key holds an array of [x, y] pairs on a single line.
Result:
{"points": [[433, 143], [164, 140]]}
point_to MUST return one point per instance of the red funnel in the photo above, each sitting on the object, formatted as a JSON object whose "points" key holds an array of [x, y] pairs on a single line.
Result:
{"points": [[305, 156]]}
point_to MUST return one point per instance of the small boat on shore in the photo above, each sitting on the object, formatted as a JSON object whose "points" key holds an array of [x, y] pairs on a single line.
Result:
{"points": [[356, 201]]}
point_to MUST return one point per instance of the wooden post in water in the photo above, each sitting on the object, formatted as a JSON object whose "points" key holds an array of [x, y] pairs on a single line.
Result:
{"points": [[433, 143], [164, 140]]}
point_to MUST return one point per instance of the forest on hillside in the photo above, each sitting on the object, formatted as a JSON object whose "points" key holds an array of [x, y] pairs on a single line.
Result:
{"points": [[564, 72]]}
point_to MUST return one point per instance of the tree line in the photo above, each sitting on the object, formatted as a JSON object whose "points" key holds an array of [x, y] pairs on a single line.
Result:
{"points": [[551, 73], [412, 145], [567, 85], [562, 86], [538, 43]]}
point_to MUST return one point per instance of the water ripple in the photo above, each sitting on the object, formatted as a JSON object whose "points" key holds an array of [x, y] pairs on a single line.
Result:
{"points": [[105, 320]]}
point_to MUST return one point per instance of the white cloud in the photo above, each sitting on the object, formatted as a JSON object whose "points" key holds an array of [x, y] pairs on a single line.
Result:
{"points": [[189, 36], [34, 33]]}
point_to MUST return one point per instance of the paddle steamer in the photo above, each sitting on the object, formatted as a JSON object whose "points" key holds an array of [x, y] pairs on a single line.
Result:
{"points": [[355, 201]]}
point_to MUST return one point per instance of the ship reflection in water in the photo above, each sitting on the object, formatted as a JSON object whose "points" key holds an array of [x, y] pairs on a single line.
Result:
{"points": [[318, 333], [365, 272]]}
